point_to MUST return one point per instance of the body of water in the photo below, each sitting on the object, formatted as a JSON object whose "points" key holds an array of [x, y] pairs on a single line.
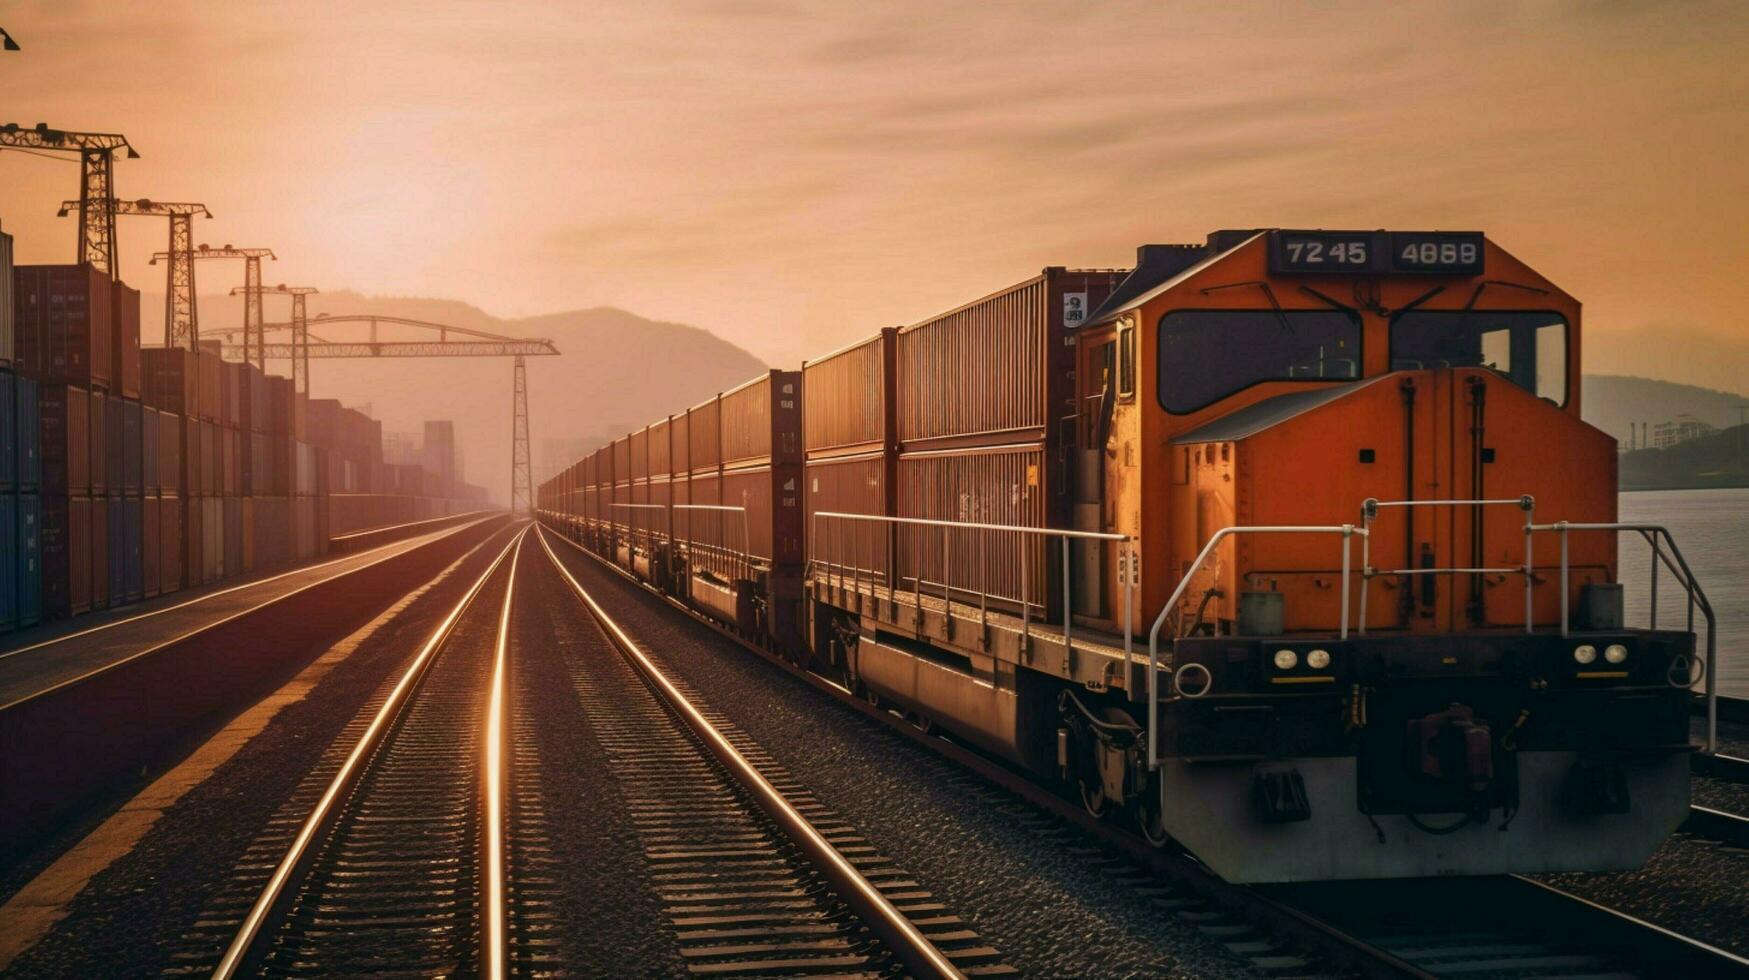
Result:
{"points": [[1712, 529]]}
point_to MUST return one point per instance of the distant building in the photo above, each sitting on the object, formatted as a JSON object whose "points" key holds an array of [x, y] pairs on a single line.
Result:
{"points": [[1678, 430], [401, 448], [439, 451]]}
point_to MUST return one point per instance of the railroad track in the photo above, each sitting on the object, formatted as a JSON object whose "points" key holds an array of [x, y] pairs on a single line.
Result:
{"points": [[1506, 926], [1729, 768], [756, 875], [399, 867]]}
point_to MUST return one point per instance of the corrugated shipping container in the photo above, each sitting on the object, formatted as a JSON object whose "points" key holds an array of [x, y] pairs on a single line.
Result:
{"points": [[848, 398], [212, 526], [172, 546], [171, 378], [133, 512], [995, 370], [230, 393], [149, 428], [8, 561], [30, 559], [704, 435], [7, 327], [209, 459], [1002, 485], [193, 542], [28, 426], [124, 341], [62, 324], [746, 421], [229, 462], [307, 525], [66, 555], [65, 445], [98, 449], [170, 436], [151, 543], [209, 370], [849, 485], [8, 430], [132, 446], [661, 450], [99, 552], [233, 517]]}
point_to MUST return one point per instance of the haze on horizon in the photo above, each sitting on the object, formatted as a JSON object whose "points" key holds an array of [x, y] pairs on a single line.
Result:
{"points": [[791, 175]]}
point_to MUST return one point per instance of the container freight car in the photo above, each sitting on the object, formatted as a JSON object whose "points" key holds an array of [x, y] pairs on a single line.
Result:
{"points": [[1008, 503]]}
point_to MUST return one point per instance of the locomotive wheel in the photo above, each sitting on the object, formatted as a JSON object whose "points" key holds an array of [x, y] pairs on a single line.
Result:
{"points": [[1093, 798], [921, 722]]}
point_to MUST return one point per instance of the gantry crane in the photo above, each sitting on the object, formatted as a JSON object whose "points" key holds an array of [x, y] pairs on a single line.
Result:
{"points": [[180, 327], [300, 344], [251, 278], [96, 182], [478, 343]]}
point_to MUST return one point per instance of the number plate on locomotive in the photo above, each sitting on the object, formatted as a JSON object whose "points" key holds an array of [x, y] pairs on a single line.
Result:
{"points": [[1376, 253]]}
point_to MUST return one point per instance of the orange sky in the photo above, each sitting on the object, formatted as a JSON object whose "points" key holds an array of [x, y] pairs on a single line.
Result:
{"points": [[793, 175]]}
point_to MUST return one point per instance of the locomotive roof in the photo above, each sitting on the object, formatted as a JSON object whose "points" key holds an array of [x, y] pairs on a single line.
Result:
{"points": [[1159, 267], [1252, 419]]}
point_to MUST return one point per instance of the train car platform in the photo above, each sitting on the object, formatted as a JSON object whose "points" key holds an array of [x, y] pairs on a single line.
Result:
{"points": [[39, 659]]}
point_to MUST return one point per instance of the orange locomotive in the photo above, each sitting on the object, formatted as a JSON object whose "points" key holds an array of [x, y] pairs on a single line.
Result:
{"points": [[1333, 486]]}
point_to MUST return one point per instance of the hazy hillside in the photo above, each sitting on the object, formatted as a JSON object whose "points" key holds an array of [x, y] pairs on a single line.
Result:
{"points": [[1672, 354], [1718, 460], [1613, 402], [617, 370]]}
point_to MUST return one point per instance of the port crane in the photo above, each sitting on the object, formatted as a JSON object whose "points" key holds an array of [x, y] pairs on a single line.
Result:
{"points": [[300, 343], [251, 279], [180, 326], [96, 181]]}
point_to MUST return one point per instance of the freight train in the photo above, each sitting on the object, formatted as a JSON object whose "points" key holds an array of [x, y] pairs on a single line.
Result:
{"points": [[1289, 546]]}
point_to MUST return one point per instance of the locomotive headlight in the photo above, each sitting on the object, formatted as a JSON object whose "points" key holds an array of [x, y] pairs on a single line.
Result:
{"points": [[1318, 659], [1286, 660], [1615, 653], [1585, 653]]}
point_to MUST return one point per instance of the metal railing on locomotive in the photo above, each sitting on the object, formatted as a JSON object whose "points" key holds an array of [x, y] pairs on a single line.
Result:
{"points": [[716, 555], [850, 559], [1697, 598], [1347, 532]]}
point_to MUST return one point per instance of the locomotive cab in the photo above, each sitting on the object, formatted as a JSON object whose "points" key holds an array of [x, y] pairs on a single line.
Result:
{"points": [[1403, 659]]}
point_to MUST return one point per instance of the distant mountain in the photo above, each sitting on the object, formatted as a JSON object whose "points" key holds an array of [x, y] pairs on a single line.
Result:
{"points": [[1613, 403], [1695, 357], [616, 370]]}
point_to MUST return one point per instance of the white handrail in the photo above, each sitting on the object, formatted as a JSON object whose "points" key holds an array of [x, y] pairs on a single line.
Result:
{"points": [[1685, 578], [1346, 530], [1369, 509]]}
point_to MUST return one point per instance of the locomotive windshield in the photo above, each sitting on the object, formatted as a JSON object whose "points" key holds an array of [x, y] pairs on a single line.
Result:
{"points": [[1529, 349], [1206, 355]]}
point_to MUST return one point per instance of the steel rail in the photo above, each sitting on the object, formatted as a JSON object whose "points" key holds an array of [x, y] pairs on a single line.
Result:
{"points": [[252, 583], [901, 936], [1730, 768], [497, 770], [247, 947], [1726, 828], [1351, 949]]}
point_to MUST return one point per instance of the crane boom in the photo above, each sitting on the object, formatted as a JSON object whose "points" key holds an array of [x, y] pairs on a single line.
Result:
{"points": [[180, 324], [96, 181]]}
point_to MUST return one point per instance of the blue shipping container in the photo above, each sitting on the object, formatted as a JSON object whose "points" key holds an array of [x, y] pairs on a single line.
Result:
{"points": [[8, 431], [30, 459], [29, 580], [8, 561]]}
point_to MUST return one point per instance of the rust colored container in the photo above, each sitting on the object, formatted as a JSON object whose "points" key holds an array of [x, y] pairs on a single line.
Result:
{"points": [[151, 545], [132, 446], [209, 466], [99, 446], [64, 425], [1001, 485], [848, 398], [745, 421], [705, 435], [231, 511], [300, 416], [280, 404], [171, 378], [209, 402], [8, 330], [679, 444], [150, 477], [661, 448], [193, 542], [100, 542], [622, 461], [996, 370], [170, 435], [127, 571], [66, 554], [63, 315], [230, 468], [322, 420], [172, 545], [850, 485], [212, 539], [640, 453], [124, 342]]}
